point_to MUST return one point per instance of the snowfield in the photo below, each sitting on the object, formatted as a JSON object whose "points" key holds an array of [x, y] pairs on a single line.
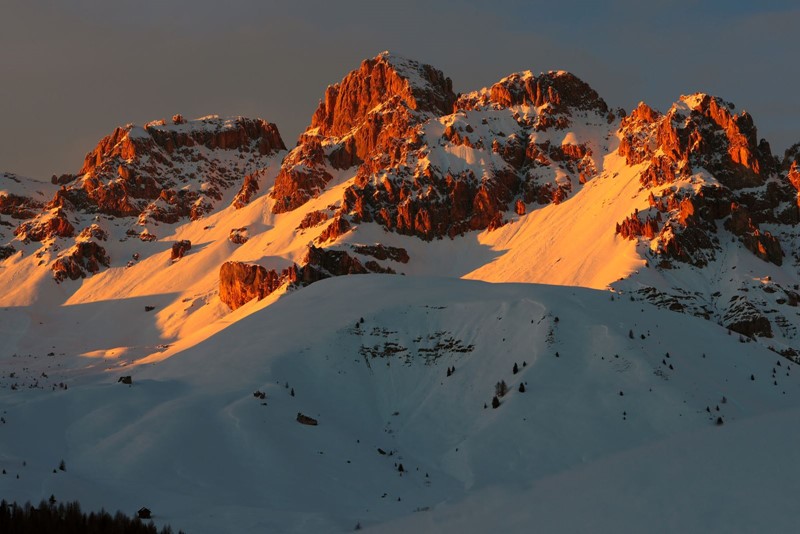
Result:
{"points": [[611, 432]]}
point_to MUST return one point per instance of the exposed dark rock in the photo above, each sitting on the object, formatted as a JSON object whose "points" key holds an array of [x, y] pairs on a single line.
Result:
{"points": [[248, 190], [238, 236], [744, 318], [6, 251], [179, 249], [383, 252], [313, 218], [239, 283], [306, 420], [84, 257], [45, 227]]}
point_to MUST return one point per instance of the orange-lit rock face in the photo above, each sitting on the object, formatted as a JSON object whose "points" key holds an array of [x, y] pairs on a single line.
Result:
{"points": [[129, 171], [159, 173], [239, 283], [699, 132], [19, 207], [378, 119], [84, 258], [561, 90], [56, 225], [250, 187], [702, 134], [372, 112], [384, 80]]}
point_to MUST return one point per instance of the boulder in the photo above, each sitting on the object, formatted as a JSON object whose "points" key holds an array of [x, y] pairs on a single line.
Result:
{"points": [[179, 249]]}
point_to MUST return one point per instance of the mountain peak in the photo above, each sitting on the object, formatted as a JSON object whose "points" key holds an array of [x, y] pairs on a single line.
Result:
{"points": [[703, 101], [135, 167], [372, 108], [559, 90], [380, 81]]}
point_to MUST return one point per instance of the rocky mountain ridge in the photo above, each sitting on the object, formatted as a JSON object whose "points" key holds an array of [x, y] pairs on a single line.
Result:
{"points": [[393, 146]]}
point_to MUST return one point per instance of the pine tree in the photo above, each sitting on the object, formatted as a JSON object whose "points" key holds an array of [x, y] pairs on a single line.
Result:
{"points": [[495, 402], [515, 370], [521, 387]]}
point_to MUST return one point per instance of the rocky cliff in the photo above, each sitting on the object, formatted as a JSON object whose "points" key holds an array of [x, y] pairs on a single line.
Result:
{"points": [[164, 172], [371, 114], [701, 140], [402, 158], [168, 171], [413, 147]]}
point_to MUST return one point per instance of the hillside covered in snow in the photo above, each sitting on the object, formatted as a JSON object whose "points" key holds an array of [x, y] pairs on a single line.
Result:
{"points": [[630, 362]]}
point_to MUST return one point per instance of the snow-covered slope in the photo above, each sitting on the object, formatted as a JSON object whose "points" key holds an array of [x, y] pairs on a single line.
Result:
{"points": [[608, 383]]}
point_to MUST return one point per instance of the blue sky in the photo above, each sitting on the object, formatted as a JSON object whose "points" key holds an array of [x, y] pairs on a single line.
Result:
{"points": [[72, 71]]}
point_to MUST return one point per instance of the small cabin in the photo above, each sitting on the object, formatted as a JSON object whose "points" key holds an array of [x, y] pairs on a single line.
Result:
{"points": [[125, 380], [144, 513]]}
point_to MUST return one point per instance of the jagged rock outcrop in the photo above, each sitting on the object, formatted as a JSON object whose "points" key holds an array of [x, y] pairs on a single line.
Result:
{"points": [[699, 131], [701, 135], [383, 252], [763, 245], [238, 236], [179, 249], [560, 92], [248, 190], [170, 171], [313, 218], [239, 283], [53, 224], [93, 231], [744, 318], [321, 263], [6, 251], [18, 207], [159, 173], [22, 198], [337, 227], [633, 226], [393, 137], [370, 113], [85, 257]]}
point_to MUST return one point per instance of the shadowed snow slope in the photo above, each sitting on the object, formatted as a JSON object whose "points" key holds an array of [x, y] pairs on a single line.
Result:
{"points": [[611, 430]]}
